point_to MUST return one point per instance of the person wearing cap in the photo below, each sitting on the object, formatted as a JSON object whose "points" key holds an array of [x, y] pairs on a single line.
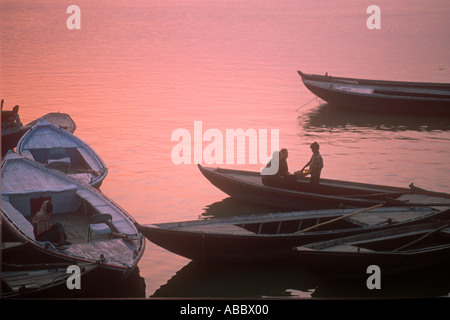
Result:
{"points": [[315, 166], [42, 229]]}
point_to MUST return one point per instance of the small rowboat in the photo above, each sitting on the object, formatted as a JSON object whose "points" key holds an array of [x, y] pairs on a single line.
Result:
{"points": [[58, 119], [46, 280], [380, 95], [393, 251], [61, 150], [12, 128], [272, 236], [115, 245], [248, 186]]}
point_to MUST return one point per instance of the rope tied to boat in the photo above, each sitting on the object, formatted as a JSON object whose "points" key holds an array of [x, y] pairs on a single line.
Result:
{"points": [[315, 98]]}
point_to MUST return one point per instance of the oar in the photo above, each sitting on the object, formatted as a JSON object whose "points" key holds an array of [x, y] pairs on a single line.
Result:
{"points": [[339, 218], [368, 195], [421, 238]]}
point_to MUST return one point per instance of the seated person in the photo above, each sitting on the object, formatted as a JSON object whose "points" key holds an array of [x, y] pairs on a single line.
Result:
{"points": [[42, 229], [282, 178]]}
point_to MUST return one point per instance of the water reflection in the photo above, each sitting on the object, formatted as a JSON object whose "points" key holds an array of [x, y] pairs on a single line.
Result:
{"points": [[107, 287], [426, 283], [238, 281], [325, 116], [289, 280]]}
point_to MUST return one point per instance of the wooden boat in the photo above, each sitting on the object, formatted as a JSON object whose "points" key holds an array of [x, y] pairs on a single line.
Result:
{"points": [[26, 184], [41, 280], [12, 128], [393, 251], [272, 236], [380, 95], [58, 119], [247, 186], [59, 149]]}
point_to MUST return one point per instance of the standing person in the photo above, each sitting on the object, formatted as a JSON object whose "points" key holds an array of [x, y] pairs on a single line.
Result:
{"points": [[282, 178], [42, 229], [315, 166]]}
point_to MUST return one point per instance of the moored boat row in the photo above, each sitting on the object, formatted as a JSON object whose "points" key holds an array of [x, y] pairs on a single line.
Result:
{"points": [[335, 212], [54, 166]]}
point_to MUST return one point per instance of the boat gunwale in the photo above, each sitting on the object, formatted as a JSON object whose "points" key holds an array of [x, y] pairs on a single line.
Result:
{"points": [[374, 94], [325, 78], [179, 227]]}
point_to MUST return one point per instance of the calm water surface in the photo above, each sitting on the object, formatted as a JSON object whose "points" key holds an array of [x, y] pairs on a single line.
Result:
{"points": [[138, 70]]}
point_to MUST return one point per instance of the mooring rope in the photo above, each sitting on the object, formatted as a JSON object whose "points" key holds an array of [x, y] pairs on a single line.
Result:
{"points": [[315, 98]]}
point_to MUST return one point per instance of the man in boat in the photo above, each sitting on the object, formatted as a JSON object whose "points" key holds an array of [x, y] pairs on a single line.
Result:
{"points": [[42, 229], [315, 166], [283, 178]]}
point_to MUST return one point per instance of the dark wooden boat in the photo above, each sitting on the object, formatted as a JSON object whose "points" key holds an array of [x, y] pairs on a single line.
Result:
{"points": [[47, 280], [12, 128], [61, 150], [272, 236], [247, 186], [26, 184], [380, 95], [393, 251]]}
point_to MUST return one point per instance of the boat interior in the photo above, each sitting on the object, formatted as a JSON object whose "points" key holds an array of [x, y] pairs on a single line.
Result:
{"points": [[67, 160], [412, 240], [347, 189], [297, 225], [74, 209], [375, 218], [291, 222], [326, 186]]}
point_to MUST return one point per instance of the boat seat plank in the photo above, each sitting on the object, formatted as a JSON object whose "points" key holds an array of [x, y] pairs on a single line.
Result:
{"points": [[372, 218], [122, 224], [445, 232], [217, 228], [422, 198], [347, 248]]}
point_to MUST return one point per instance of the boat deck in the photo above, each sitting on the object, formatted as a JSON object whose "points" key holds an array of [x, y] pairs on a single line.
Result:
{"points": [[116, 251], [101, 247], [422, 198], [76, 226]]}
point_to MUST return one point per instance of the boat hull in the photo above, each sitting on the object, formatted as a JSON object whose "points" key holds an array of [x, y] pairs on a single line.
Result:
{"points": [[350, 257], [10, 140], [380, 96], [270, 237], [247, 186], [26, 183]]}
